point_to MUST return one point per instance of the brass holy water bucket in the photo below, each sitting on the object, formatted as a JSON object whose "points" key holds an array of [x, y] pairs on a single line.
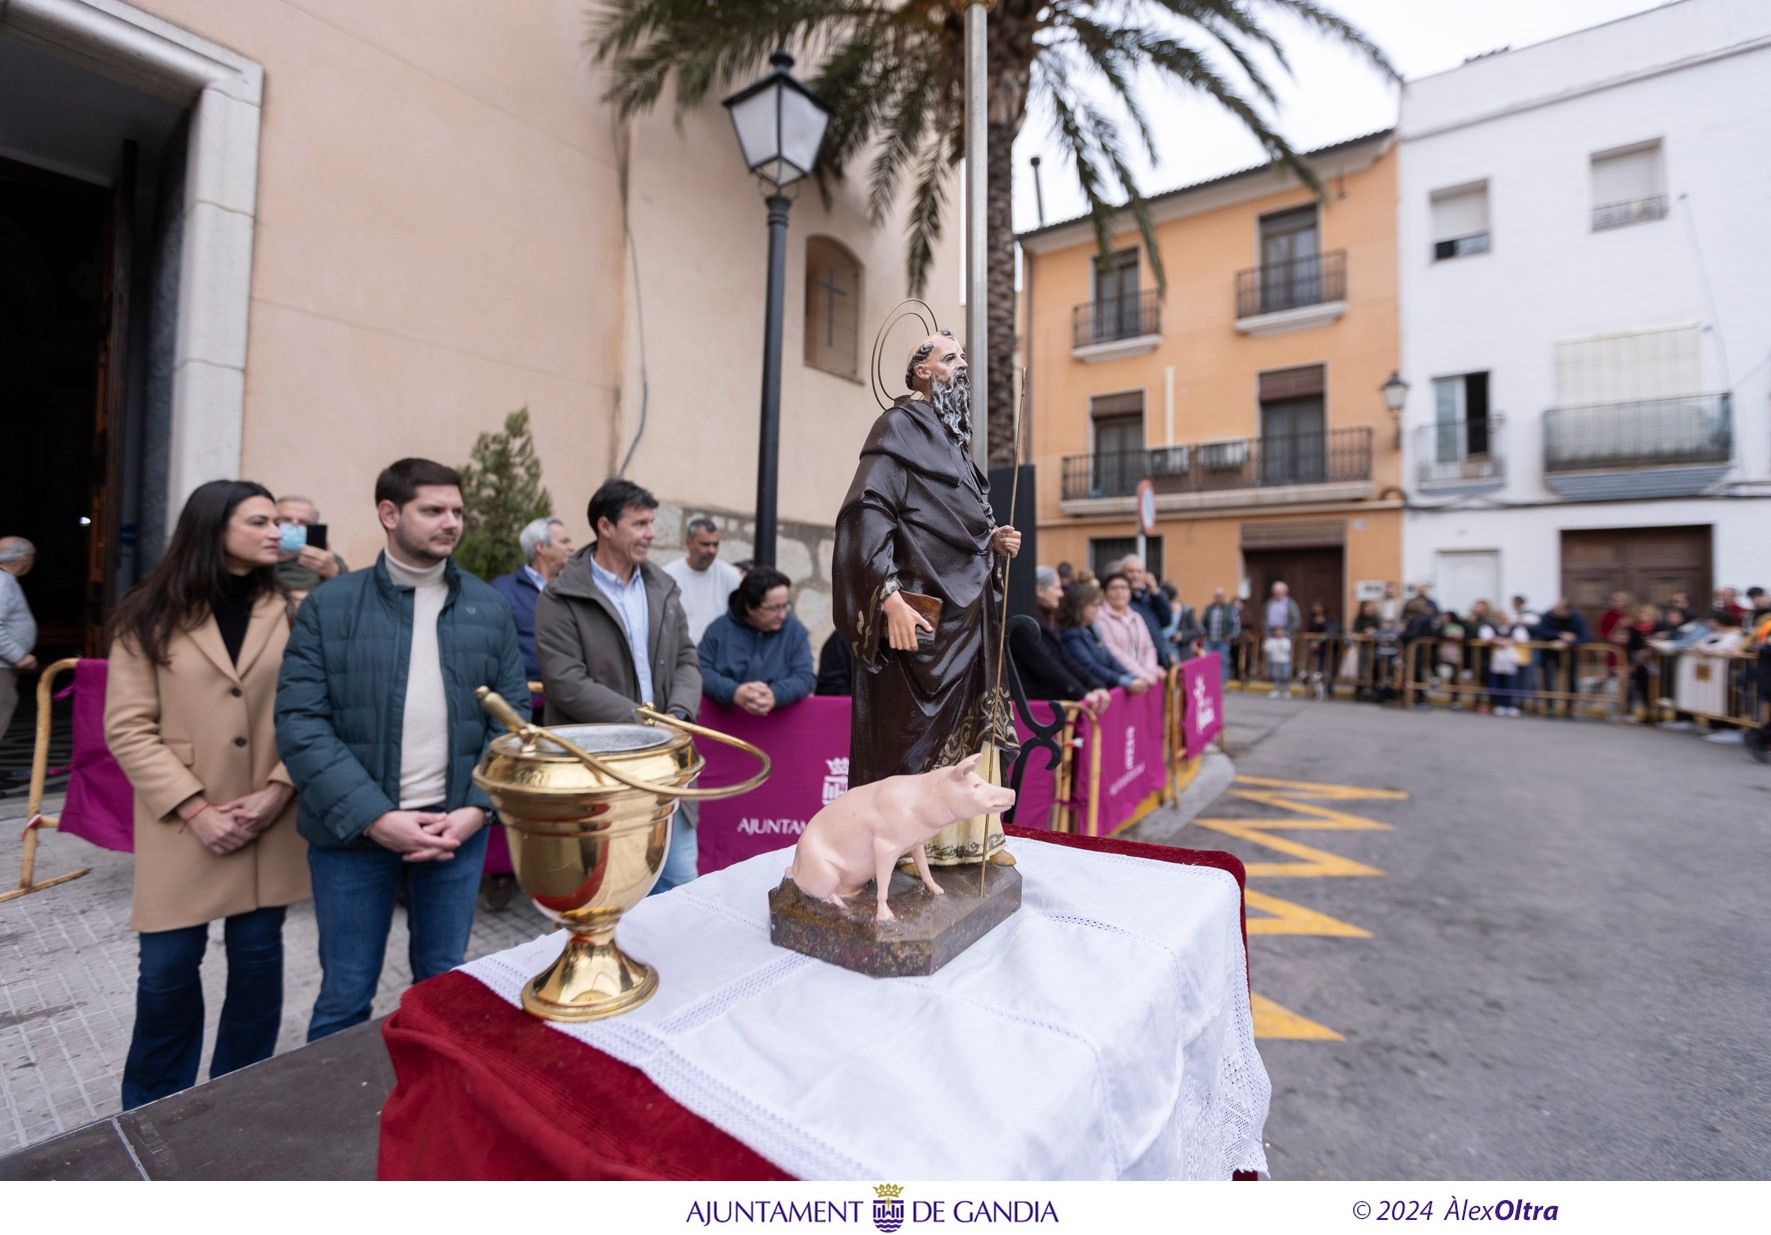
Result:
{"points": [[587, 811]]}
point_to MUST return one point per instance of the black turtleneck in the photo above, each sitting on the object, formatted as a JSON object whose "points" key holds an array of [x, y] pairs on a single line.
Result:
{"points": [[233, 610]]}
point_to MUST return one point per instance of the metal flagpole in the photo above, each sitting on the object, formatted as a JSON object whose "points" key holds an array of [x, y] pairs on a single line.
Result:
{"points": [[1014, 495], [977, 241]]}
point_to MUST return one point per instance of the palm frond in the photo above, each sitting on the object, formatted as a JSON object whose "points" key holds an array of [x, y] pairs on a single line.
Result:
{"points": [[928, 201], [1338, 28]]}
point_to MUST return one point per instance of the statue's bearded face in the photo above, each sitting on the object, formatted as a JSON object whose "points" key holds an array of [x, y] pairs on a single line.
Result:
{"points": [[952, 401]]}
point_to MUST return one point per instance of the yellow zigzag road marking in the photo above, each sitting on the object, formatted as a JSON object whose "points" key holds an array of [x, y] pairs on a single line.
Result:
{"points": [[1290, 918], [1315, 818], [1273, 1021], [1316, 863], [1333, 793]]}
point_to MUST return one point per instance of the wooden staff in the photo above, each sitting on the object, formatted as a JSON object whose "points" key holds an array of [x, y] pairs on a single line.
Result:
{"points": [[1014, 492]]}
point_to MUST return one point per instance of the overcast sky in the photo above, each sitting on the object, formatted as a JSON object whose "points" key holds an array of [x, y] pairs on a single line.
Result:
{"points": [[1332, 95]]}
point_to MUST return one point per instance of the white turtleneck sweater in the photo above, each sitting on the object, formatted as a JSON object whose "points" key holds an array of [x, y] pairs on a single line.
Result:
{"points": [[424, 728]]}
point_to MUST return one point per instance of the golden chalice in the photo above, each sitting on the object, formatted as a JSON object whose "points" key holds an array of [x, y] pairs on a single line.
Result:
{"points": [[587, 810]]}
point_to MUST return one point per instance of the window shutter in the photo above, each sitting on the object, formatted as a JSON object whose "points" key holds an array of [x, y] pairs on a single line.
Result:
{"points": [[1298, 383], [1626, 175], [1460, 212], [1130, 403]]}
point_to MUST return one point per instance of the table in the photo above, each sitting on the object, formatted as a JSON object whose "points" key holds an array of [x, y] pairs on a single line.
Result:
{"points": [[485, 1091]]}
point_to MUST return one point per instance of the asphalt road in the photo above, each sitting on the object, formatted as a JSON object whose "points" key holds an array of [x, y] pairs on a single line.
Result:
{"points": [[1567, 973]]}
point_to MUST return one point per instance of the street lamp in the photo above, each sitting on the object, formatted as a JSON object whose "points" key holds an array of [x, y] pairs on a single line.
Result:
{"points": [[1395, 397], [780, 125]]}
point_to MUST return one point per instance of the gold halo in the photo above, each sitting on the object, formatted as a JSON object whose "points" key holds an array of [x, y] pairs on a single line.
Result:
{"points": [[903, 309]]}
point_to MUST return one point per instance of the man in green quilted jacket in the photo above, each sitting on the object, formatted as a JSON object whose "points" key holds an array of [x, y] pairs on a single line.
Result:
{"points": [[379, 729]]}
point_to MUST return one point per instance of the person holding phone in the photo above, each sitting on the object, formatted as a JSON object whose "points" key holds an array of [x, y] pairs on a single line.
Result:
{"points": [[303, 560]]}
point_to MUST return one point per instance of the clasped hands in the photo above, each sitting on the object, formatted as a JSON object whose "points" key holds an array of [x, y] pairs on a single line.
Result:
{"points": [[425, 835], [755, 698], [234, 825]]}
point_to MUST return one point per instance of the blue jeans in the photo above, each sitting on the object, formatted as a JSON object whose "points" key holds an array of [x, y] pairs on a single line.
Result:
{"points": [[354, 908], [1505, 688], [1222, 648], [166, 1049], [681, 864]]}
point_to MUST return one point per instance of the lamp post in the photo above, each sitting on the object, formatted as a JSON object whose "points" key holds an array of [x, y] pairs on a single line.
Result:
{"points": [[1395, 393], [780, 125]]}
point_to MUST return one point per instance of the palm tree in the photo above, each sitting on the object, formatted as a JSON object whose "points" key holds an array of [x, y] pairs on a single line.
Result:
{"points": [[895, 74]]}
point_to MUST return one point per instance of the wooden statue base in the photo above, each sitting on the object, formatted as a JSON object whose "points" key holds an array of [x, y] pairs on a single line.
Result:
{"points": [[928, 932]]}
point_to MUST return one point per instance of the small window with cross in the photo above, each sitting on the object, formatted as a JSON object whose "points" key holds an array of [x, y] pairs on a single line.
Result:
{"points": [[833, 308]]}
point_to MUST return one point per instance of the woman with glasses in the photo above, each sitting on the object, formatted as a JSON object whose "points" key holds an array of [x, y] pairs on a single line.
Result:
{"points": [[758, 656]]}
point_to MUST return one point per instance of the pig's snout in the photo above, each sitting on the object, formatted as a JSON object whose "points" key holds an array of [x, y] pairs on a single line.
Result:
{"points": [[998, 799], [983, 799]]}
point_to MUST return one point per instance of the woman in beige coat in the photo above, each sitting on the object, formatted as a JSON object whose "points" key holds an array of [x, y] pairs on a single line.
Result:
{"points": [[189, 716]]}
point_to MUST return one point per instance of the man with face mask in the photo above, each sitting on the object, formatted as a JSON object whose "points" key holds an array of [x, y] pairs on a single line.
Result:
{"points": [[379, 730], [917, 519], [302, 567]]}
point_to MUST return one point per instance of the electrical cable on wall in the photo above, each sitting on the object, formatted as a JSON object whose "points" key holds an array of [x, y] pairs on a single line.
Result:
{"points": [[624, 152], [1708, 294]]}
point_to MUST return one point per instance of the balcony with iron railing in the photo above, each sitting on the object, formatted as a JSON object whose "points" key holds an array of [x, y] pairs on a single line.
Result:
{"points": [[1623, 214], [1294, 295], [1460, 246], [1649, 448], [1463, 456], [1233, 471], [1116, 328]]}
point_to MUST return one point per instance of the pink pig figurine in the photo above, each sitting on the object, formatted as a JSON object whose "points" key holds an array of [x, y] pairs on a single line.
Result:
{"points": [[862, 834]]}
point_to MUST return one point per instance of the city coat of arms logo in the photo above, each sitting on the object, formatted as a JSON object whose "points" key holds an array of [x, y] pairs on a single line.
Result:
{"points": [[836, 778], [888, 1207]]}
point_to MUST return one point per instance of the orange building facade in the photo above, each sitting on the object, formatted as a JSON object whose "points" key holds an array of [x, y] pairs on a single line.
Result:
{"points": [[1249, 396]]}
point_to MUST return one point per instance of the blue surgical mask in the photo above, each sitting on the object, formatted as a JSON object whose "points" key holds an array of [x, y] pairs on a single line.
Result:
{"points": [[294, 538]]}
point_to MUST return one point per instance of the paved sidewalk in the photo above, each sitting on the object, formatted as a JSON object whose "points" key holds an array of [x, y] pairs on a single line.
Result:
{"points": [[67, 980]]}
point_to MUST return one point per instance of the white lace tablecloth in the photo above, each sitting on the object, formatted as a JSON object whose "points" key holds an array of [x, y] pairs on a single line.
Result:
{"points": [[1102, 1032]]}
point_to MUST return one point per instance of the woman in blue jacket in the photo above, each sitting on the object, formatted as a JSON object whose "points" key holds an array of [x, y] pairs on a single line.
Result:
{"points": [[1076, 617], [758, 656]]}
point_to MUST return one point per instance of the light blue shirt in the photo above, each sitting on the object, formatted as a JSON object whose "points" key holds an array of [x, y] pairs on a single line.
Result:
{"points": [[537, 580], [18, 629], [629, 600]]}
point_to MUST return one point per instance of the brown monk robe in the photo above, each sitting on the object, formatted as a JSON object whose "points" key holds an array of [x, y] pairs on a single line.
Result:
{"points": [[917, 518]]}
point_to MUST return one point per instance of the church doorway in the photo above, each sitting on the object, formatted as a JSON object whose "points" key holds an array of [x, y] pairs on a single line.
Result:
{"points": [[64, 261]]}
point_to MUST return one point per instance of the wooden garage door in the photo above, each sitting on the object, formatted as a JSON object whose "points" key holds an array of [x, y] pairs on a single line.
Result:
{"points": [[1650, 563], [1311, 574]]}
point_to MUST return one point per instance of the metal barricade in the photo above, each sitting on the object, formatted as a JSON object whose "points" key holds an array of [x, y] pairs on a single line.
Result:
{"points": [[1322, 666], [1716, 688], [1554, 677], [27, 877]]}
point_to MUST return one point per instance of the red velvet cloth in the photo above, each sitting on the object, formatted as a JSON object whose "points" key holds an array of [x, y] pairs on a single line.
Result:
{"points": [[485, 1091]]}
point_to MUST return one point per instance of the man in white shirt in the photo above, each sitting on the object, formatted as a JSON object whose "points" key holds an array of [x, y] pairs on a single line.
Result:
{"points": [[706, 582], [18, 629]]}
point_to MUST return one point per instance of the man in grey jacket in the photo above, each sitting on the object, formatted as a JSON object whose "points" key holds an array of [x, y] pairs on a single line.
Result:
{"points": [[610, 632], [18, 629]]}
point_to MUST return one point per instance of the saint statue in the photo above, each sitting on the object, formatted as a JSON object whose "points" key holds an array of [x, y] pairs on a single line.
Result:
{"points": [[917, 520]]}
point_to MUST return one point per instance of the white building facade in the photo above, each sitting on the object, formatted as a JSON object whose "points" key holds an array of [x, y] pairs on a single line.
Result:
{"points": [[1585, 265]]}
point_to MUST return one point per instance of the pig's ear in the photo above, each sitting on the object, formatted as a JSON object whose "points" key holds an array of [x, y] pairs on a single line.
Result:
{"points": [[967, 765]]}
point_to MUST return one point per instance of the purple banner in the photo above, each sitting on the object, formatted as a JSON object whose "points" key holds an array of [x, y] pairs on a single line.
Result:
{"points": [[1202, 704], [100, 805], [1039, 784], [809, 743], [1133, 760]]}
